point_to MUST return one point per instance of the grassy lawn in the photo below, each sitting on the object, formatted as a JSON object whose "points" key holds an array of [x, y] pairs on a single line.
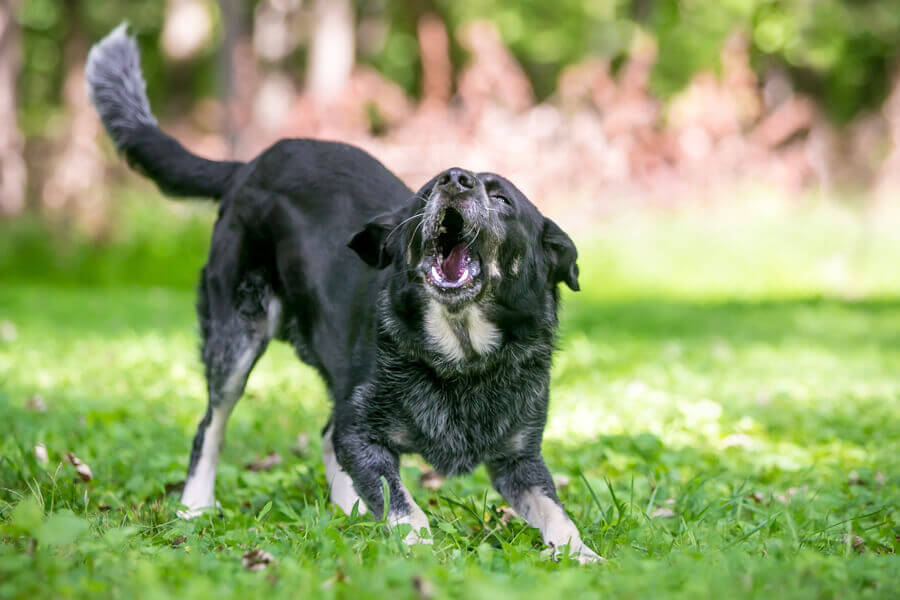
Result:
{"points": [[724, 423]]}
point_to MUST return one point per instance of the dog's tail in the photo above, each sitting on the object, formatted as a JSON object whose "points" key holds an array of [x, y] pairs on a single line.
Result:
{"points": [[117, 89]]}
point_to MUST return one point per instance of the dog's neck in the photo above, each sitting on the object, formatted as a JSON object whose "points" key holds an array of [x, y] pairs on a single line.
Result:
{"points": [[461, 335], [473, 339]]}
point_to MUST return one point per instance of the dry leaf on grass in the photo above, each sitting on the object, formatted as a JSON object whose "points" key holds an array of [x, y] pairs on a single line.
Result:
{"points": [[431, 480], [40, 453], [339, 577], [257, 560], [266, 463], [789, 495], [423, 587], [857, 542], [81, 468], [756, 497], [36, 404], [302, 445]]}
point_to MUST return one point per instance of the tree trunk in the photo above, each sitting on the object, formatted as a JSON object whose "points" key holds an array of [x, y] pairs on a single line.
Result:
{"points": [[12, 163], [232, 23], [332, 50], [437, 70], [74, 187]]}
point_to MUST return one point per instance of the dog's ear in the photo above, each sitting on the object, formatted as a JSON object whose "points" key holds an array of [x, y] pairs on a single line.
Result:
{"points": [[562, 255], [372, 243]]}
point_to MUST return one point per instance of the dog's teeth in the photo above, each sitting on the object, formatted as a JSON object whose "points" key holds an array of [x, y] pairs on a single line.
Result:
{"points": [[435, 274]]}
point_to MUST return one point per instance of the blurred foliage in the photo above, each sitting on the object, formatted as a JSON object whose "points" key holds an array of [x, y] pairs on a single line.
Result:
{"points": [[57, 36], [152, 242], [840, 51]]}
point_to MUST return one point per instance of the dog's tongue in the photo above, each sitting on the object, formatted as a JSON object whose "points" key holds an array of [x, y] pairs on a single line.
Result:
{"points": [[455, 263]]}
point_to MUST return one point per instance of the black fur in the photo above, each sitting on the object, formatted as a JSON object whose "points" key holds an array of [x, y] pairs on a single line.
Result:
{"points": [[284, 226]]}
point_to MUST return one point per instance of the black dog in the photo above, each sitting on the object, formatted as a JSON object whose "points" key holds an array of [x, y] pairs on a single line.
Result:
{"points": [[438, 341]]}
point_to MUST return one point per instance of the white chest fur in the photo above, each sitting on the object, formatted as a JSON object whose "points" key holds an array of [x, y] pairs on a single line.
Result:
{"points": [[456, 335]]}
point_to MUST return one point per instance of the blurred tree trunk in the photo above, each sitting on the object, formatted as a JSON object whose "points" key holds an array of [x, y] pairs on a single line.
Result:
{"points": [[232, 24], [12, 163], [641, 10], [437, 70], [332, 49], [73, 187]]}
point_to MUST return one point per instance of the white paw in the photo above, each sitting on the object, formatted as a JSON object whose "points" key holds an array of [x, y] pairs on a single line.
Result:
{"points": [[420, 532], [578, 551], [423, 537], [189, 513]]}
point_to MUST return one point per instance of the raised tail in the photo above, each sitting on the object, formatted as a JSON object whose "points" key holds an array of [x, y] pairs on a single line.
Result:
{"points": [[117, 89]]}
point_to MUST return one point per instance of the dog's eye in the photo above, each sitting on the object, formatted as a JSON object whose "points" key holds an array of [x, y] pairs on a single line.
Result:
{"points": [[501, 198]]}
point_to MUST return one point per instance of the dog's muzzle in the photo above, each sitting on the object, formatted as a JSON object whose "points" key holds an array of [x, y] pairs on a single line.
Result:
{"points": [[455, 217]]}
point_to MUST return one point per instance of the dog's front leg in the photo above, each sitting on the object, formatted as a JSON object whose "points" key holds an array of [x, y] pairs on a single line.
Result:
{"points": [[528, 487], [368, 464], [340, 485]]}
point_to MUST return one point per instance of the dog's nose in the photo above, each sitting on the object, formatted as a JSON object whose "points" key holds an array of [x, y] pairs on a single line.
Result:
{"points": [[456, 180]]}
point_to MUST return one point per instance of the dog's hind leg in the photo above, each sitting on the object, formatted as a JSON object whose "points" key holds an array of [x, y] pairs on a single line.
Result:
{"points": [[234, 338]]}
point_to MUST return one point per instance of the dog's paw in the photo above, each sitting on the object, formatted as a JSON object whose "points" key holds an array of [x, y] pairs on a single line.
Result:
{"points": [[187, 513], [421, 537], [420, 532], [586, 556], [577, 551]]}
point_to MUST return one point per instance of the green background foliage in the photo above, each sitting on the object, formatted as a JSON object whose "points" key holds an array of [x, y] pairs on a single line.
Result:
{"points": [[842, 52]]}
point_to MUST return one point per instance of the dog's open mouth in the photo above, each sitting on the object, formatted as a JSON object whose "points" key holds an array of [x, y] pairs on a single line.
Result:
{"points": [[453, 264]]}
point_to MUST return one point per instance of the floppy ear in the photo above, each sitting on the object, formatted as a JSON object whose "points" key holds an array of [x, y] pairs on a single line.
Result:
{"points": [[377, 241], [561, 252], [371, 244]]}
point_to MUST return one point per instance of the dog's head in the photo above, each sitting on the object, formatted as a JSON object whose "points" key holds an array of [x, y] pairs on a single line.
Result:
{"points": [[466, 235]]}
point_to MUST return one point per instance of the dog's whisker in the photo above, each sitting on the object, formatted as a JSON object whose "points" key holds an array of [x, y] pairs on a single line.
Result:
{"points": [[402, 223]]}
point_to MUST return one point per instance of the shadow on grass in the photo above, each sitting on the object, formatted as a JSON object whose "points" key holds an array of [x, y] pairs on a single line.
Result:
{"points": [[825, 322]]}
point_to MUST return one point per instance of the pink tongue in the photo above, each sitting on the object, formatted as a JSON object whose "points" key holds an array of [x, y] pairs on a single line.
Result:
{"points": [[455, 262]]}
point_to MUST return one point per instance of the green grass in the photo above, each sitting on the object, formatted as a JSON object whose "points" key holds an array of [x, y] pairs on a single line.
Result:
{"points": [[737, 371]]}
